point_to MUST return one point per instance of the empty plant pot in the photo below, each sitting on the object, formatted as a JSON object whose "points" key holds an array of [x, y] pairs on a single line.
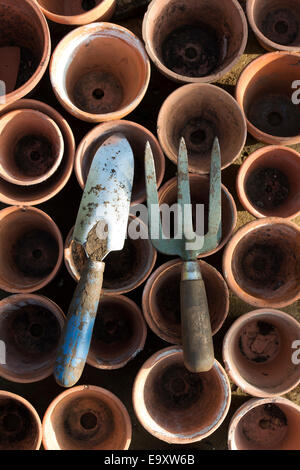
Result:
{"points": [[265, 93], [137, 136], [100, 72], [30, 327], [31, 249], [199, 187], [77, 12], [199, 113], [119, 333], [268, 182], [20, 425], [257, 352], [195, 41], [275, 23], [23, 26], [86, 418], [261, 263], [178, 406], [161, 299], [265, 424], [15, 194]]}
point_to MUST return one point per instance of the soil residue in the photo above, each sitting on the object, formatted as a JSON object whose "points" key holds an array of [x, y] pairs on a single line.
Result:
{"points": [[281, 26], [120, 265], [33, 155], [111, 326], [17, 426], [168, 300], [27, 67], [259, 342], [267, 188]]}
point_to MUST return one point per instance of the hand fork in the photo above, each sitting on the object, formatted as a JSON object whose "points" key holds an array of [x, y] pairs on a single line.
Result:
{"points": [[195, 320]]}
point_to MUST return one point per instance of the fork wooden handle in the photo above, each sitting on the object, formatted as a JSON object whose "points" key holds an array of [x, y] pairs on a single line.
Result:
{"points": [[195, 320]]}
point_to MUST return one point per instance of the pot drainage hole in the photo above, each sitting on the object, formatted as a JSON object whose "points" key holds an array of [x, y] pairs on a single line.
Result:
{"points": [[33, 155], [281, 26]]}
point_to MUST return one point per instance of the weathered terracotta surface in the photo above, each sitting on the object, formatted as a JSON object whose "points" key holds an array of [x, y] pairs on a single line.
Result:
{"points": [[100, 72], [261, 263], [268, 182], [31, 249], [199, 113], [195, 41], [257, 352], [175, 405], [265, 424], [161, 299], [86, 418], [77, 12]]}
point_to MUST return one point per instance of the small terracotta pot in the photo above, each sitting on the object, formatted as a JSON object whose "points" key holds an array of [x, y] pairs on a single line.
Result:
{"points": [[31, 249], [195, 41], [124, 270], [178, 406], [137, 136], [265, 424], [36, 194], [268, 182], [119, 333], [24, 26], [257, 352], [30, 327], [261, 263], [275, 24], [77, 12], [86, 418], [199, 187], [161, 299], [265, 93], [20, 425], [100, 72]]}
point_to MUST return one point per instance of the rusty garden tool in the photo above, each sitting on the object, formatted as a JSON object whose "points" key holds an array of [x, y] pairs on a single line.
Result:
{"points": [[195, 321]]}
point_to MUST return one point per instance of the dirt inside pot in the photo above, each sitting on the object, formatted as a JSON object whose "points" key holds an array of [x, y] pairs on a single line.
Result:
{"points": [[259, 342], [168, 300], [17, 426], [33, 155], [267, 188], [69, 7], [281, 26], [28, 65], [120, 265], [112, 327]]}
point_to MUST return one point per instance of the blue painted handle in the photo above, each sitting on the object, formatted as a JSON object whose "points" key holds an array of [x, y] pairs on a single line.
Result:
{"points": [[77, 333]]}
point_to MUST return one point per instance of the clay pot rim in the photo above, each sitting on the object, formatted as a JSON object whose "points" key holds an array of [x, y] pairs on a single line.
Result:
{"points": [[57, 313], [94, 133], [183, 78], [90, 29], [85, 388], [146, 420], [29, 290], [228, 255], [135, 309], [156, 276], [248, 406], [233, 373], [173, 181], [32, 410], [243, 171], [161, 117], [267, 43], [239, 94], [30, 84]]}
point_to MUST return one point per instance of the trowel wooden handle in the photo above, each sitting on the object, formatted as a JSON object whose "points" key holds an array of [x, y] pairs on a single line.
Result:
{"points": [[195, 320], [77, 333]]}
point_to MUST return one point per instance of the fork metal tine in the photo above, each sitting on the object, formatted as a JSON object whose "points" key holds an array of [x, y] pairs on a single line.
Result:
{"points": [[215, 194], [184, 194]]}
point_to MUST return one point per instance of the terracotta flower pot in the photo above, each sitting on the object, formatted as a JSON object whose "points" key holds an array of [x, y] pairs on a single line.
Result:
{"points": [[86, 418], [265, 93], [161, 299], [31, 249], [195, 41], [178, 406], [124, 270], [137, 136], [265, 424], [199, 113], [199, 186], [38, 193], [23, 26], [261, 263], [30, 327], [268, 182], [77, 12], [257, 352], [275, 24], [20, 425], [119, 333], [100, 72]]}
